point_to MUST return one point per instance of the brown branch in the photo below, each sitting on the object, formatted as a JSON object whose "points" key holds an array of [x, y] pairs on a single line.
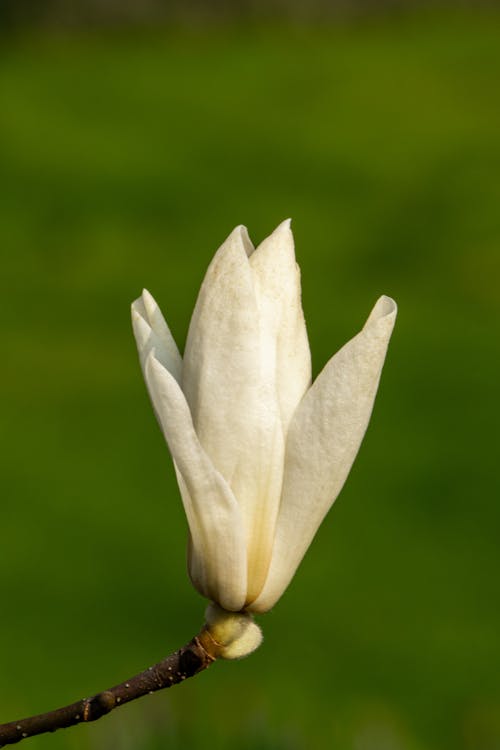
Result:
{"points": [[196, 656]]}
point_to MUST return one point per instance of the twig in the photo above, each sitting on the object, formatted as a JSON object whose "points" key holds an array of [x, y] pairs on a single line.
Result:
{"points": [[196, 656]]}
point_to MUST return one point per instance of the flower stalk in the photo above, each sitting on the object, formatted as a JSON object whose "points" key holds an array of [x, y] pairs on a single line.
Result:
{"points": [[191, 659], [225, 635]]}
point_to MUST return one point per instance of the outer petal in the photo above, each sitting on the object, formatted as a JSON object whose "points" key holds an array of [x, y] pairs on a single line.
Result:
{"points": [[233, 399], [324, 437], [152, 332], [283, 329], [214, 517]]}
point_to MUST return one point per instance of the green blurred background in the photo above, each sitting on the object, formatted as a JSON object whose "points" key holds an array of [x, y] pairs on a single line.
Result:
{"points": [[129, 150]]}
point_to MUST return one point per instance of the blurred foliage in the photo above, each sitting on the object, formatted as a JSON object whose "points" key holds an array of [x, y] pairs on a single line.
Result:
{"points": [[147, 12], [126, 159]]}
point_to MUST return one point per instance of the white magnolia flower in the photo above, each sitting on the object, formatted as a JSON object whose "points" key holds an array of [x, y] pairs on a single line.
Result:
{"points": [[260, 453]]}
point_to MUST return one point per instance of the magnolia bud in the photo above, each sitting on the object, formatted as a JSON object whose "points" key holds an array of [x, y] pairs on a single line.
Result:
{"points": [[234, 634], [260, 453]]}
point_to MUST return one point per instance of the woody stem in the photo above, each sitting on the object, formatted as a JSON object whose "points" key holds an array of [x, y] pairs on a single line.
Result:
{"points": [[192, 658]]}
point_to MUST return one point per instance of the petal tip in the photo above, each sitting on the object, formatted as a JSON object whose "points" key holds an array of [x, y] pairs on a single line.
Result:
{"points": [[141, 304], [149, 303], [386, 306], [284, 226], [138, 311], [241, 232], [280, 240], [383, 313]]}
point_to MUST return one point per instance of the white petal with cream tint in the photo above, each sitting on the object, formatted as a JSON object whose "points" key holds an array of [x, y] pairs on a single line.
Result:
{"points": [[324, 437], [285, 348], [215, 520], [232, 396], [152, 332]]}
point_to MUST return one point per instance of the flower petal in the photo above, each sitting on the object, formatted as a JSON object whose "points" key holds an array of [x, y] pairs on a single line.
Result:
{"points": [[324, 437], [283, 329], [233, 399], [214, 517], [152, 332]]}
